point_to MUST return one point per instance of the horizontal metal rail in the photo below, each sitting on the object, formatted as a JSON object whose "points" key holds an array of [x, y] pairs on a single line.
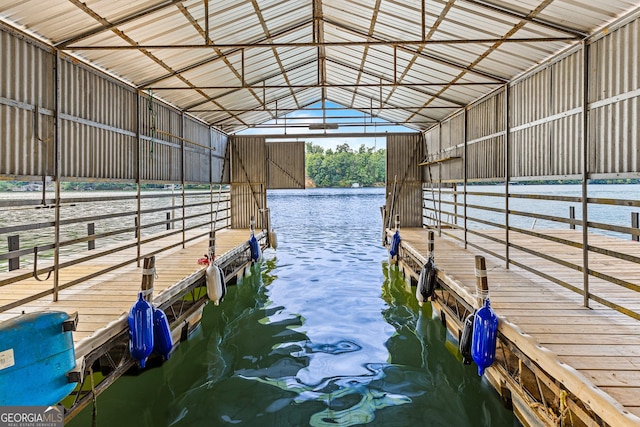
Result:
{"points": [[194, 214], [442, 208]]}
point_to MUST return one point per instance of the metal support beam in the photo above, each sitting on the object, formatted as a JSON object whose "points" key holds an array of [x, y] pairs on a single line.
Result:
{"points": [[507, 172], [263, 85], [440, 181], [585, 170], [182, 178], [423, 23], [57, 144], [464, 174], [207, 39], [320, 43], [138, 174]]}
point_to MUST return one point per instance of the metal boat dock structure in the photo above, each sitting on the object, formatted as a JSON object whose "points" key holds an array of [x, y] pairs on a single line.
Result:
{"points": [[190, 109]]}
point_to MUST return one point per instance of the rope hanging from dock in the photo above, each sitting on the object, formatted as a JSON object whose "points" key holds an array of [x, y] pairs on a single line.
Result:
{"points": [[152, 120], [94, 399]]}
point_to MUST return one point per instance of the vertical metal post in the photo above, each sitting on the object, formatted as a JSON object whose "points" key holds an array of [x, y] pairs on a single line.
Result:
{"points": [[136, 224], [13, 244], [184, 225], [455, 203], [507, 173], [168, 221], [464, 176], [572, 216], [423, 23], [585, 170], [91, 230], [57, 144], [138, 176], [211, 221], [207, 39], [635, 223], [440, 181]]}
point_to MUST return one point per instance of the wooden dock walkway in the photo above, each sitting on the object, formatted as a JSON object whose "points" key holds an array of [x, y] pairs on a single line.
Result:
{"points": [[593, 353], [103, 302]]}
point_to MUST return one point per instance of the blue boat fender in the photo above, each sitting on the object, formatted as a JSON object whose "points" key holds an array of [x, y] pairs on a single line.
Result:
{"points": [[395, 245], [485, 334], [141, 330], [255, 249], [162, 340]]}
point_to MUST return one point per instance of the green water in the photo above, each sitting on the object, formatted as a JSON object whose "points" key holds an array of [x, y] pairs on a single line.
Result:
{"points": [[323, 333]]}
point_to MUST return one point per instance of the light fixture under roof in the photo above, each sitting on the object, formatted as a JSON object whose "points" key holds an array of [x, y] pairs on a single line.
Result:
{"points": [[323, 126]]}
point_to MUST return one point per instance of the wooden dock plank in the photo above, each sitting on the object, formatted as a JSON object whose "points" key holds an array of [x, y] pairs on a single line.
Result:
{"points": [[599, 342]]}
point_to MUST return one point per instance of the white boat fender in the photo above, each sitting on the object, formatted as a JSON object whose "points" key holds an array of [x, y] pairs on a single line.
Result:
{"points": [[216, 286], [426, 281], [273, 240]]}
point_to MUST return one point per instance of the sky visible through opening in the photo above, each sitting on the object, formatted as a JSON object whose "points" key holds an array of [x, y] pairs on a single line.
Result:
{"points": [[350, 121]]}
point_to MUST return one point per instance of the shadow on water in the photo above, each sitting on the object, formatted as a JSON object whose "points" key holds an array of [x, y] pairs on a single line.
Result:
{"points": [[326, 334]]}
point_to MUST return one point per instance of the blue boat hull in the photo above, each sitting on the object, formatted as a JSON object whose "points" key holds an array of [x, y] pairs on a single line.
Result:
{"points": [[35, 356]]}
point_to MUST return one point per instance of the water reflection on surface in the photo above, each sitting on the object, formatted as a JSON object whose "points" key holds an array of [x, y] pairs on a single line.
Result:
{"points": [[323, 333]]}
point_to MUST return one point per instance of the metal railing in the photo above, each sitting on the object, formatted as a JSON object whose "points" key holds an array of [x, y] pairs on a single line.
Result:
{"points": [[95, 226], [524, 230]]}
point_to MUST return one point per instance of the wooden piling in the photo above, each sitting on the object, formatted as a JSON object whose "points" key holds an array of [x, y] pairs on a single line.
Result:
{"points": [[148, 277], [482, 285]]}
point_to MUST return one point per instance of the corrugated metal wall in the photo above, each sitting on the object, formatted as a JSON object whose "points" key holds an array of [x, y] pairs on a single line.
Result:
{"points": [[546, 119], [404, 152], [285, 165], [485, 139], [248, 180], [98, 125], [452, 149], [26, 108], [614, 96], [220, 161]]}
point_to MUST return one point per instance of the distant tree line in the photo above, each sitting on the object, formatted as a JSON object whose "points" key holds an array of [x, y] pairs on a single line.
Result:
{"points": [[344, 167]]}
